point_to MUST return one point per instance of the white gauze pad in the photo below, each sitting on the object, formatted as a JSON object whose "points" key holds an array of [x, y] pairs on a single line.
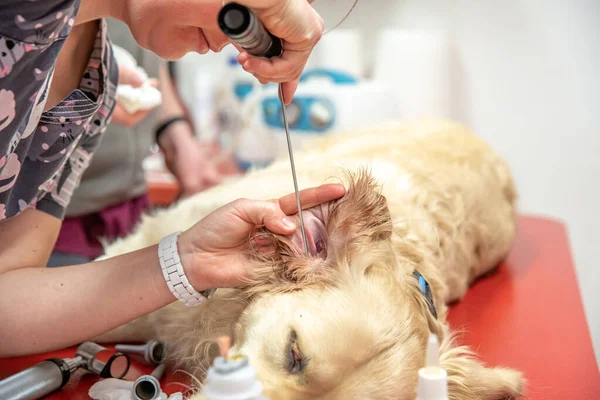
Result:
{"points": [[134, 99]]}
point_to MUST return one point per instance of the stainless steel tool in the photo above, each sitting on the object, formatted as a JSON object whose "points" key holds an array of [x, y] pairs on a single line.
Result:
{"points": [[244, 28], [147, 387], [54, 373], [152, 352]]}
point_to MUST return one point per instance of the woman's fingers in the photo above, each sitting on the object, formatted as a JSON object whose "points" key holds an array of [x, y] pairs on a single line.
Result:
{"points": [[290, 64], [280, 70], [129, 76], [273, 214], [122, 117], [266, 213], [311, 197], [289, 88], [216, 39], [300, 27]]}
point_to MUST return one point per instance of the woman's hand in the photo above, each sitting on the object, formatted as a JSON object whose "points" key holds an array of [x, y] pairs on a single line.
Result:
{"points": [[299, 26], [213, 251], [187, 160], [129, 76]]}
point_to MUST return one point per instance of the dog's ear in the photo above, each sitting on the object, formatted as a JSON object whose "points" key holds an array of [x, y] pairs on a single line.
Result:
{"points": [[469, 379], [361, 217], [358, 226]]}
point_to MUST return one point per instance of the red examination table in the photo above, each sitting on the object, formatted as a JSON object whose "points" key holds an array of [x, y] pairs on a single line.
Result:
{"points": [[528, 315]]}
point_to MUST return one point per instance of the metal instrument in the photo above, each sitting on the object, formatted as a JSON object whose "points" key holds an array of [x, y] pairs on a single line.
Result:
{"points": [[147, 387], [151, 353], [244, 28], [54, 373]]}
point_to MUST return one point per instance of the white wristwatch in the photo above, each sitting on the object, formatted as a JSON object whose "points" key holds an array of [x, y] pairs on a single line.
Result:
{"points": [[172, 270]]}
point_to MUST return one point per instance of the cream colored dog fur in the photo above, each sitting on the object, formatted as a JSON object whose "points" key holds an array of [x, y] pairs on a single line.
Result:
{"points": [[350, 322]]}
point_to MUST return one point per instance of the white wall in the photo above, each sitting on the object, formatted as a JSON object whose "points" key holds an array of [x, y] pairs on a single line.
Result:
{"points": [[532, 89]]}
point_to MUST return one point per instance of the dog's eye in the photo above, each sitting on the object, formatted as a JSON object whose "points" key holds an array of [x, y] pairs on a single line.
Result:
{"points": [[295, 361]]}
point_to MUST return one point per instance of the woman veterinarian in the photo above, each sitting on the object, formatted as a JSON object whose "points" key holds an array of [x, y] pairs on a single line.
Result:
{"points": [[57, 93]]}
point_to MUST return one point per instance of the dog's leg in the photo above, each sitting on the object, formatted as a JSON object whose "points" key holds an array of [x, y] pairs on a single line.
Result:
{"points": [[470, 380]]}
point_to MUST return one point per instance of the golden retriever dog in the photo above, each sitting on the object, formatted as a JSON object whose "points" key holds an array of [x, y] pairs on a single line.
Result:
{"points": [[351, 320]]}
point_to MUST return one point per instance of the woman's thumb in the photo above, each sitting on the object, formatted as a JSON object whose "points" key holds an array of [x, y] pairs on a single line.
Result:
{"points": [[267, 213]]}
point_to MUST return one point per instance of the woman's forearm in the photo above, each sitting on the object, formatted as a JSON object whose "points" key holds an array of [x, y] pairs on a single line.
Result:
{"points": [[179, 135], [171, 105], [43, 309]]}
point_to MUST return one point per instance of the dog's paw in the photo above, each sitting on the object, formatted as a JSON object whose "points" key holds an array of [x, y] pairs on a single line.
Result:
{"points": [[469, 379], [505, 384], [483, 383]]}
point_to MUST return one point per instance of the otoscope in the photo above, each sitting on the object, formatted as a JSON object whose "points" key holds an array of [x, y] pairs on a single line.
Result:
{"points": [[243, 27], [152, 352], [147, 387], [54, 373]]}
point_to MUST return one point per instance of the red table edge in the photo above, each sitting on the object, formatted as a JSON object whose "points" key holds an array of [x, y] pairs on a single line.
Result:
{"points": [[162, 193], [563, 225], [582, 376]]}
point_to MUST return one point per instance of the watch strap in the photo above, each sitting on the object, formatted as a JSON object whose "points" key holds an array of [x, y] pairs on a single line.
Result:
{"points": [[174, 274]]}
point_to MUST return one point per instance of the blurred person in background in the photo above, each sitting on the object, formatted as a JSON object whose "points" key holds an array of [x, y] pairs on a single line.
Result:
{"points": [[113, 192]]}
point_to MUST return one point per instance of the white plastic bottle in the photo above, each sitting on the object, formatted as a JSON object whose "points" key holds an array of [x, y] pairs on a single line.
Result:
{"points": [[433, 379], [232, 379]]}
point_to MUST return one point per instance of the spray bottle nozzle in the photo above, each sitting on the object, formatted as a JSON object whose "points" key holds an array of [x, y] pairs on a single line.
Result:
{"points": [[432, 355]]}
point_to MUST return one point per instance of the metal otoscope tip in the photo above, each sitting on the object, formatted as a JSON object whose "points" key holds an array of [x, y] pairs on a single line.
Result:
{"points": [[147, 387], [152, 352]]}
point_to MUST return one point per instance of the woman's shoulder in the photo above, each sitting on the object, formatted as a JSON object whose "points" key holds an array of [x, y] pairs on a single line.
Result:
{"points": [[37, 22], [43, 152], [31, 36]]}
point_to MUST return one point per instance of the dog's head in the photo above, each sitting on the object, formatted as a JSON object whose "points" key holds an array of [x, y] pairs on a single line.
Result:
{"points": [[349, 321]]}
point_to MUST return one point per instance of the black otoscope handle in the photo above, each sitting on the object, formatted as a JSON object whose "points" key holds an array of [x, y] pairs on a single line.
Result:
{"points": [[243, 27]]}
